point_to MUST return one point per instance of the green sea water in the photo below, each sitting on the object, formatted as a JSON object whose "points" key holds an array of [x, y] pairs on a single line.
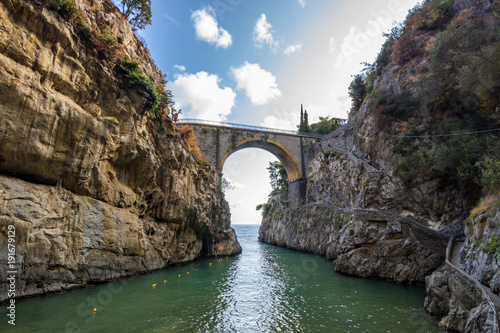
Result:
{"points": [[264, 289]]}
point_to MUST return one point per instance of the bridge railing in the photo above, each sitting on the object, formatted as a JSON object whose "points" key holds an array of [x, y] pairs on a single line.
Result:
{"points": [[249, 127]]}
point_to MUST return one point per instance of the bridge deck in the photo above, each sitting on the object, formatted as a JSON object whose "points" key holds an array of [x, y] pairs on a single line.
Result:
{"points": [[191, 121]]}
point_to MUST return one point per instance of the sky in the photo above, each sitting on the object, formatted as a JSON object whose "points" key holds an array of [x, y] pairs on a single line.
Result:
{"points": [[255, 62]]}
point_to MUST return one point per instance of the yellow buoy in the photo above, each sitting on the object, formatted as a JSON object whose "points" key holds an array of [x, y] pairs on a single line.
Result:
{"points": [[188, 272], [164, 281], [226, 257], [154, 285], [179, 275], [95, 310], [210, 264]]}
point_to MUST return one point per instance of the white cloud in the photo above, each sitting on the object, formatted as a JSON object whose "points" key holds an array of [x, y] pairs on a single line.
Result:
{"points": [[236, 204], [302, 3], [273, 121], [315, 111], [208, 29], [332, 45], [259, 85], [292, 49], [234, 184], [200, 96], [225, 39], [180, 68], [347, 49], [263, 34], [288, 119]]}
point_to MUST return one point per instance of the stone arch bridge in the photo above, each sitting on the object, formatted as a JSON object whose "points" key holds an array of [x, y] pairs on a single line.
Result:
{"points": [[218, 140]]}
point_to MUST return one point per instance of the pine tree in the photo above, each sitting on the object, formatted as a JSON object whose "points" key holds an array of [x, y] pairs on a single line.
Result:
{"points": [[301, 115], [305, 128]]}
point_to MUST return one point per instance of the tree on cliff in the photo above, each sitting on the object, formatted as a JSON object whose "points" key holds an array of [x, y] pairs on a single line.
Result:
{"points": [[277, 174], [304, 121], [325, 126], [357, 91], [137, 12]]}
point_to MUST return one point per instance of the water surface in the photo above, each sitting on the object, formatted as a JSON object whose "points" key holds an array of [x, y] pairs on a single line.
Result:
{"points": [[265, 289]]}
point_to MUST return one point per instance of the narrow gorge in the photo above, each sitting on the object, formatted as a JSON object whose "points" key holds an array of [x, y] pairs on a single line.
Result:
{"points": [[100, 181]]}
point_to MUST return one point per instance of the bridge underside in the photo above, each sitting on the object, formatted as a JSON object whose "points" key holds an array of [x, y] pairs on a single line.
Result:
{"points": [[295, 150], [291, 165]]}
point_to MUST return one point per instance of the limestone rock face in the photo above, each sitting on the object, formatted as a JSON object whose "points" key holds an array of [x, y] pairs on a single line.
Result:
{"points": [[340, 177], [457, 303], [360, 242], [352, 218], [453, 298], [481, 319], [438, 299], [480, 255], [95, 188]]}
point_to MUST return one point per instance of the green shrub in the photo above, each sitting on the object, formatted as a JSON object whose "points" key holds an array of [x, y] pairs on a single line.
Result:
{"points": [[325, 126], [69, 11], [266, 207], [66, 8], [409, 167], [84, 30], [464, 64], [399, 106], [452, 157], [411, 162], [492, 246], [132, 77], [457, 156], [106, 45], [490, 171], [340, 220], [439, 14], [331, 156]]}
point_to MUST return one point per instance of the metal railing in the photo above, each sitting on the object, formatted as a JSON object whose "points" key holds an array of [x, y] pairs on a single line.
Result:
{"points": [[248, 127]]}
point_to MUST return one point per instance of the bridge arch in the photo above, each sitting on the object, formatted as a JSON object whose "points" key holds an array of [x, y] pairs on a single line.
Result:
{"points": [[291, 165], [218, 141]]}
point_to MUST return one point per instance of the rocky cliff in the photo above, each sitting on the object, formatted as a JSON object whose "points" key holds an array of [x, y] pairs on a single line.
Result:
{"points": [[463, 293], [344, 221], [95, 186], [435, 80], [480, 253]]}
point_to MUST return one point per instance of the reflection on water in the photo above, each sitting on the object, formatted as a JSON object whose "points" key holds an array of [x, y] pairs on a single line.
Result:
{"points": [[253, 296], [265, 289]]}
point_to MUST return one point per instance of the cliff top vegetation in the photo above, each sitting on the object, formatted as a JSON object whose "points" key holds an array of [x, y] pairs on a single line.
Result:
{"points": [[434, 91]]}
